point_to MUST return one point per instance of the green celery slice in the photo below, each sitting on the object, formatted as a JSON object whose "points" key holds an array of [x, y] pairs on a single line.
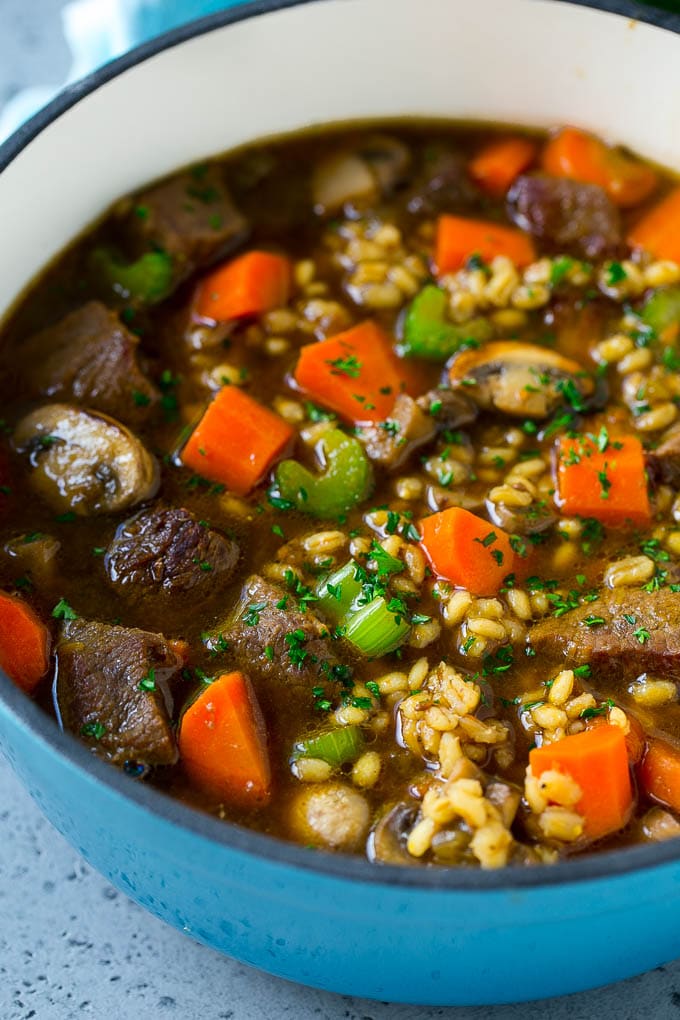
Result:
{"points": [[336, 747], [427, 334], [345, 482], [375, 630], [146, 281], [347, 589], [662, 309]]}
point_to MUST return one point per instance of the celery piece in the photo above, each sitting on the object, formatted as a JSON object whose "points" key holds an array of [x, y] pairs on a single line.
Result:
{"points": [[345, 481], [336, 746], [662, 309], [338, 591], [375, 630], [427, 334], [146, 281]]}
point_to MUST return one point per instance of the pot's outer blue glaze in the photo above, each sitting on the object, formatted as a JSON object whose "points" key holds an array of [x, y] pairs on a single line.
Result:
{"points": [[429, 936], [439, 945]]}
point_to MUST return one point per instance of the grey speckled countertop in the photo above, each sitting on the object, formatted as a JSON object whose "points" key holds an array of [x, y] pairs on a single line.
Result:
{"points": [[72, 947]]}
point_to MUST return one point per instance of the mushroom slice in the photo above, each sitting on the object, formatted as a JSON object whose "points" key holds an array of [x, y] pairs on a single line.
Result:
{"points": [[376, 167], [520, 379], [387, 841], [84, 461]]}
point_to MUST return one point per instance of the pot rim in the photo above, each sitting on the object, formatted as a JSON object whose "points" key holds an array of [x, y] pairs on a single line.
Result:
{"points": [[599, 866]]}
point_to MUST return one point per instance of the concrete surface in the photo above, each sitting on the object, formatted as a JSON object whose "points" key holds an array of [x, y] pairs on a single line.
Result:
{"points": [[72, 947]]}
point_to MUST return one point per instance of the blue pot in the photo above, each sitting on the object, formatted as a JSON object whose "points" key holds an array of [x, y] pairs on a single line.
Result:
{"points": [[420, 935]]}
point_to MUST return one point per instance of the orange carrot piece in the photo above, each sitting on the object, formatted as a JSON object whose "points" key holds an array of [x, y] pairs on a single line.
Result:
{"points": [[497, 165], [659, 772], [236, 441], [458, 238], [248, 285], [223, 743], [609, 485], [596, 759], [355, 373], [635, 738], [583, 157], [658, 232], [467, 550], [24, 643]]}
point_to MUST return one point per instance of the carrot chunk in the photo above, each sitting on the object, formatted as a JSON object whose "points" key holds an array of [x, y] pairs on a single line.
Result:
{"points": [[24, 643], [458, 238], [248, 285], [658, 232], [236, 441], [467, 550], [582, 157], [354, 373], [223, 744], [596, 759], [659, 772], [603, 479], [635, 737], [497, 165]]}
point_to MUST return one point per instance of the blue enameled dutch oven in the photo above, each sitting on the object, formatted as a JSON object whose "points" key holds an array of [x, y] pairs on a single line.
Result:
{"points": [[413, 935]]}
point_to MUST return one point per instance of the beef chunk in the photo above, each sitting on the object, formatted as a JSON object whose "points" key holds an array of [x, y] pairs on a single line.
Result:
{"points": [[90, 357], [98, 694], [301, 650], [664, 462], [191, 217], [617, 639], [443, 185], [162, 553], [566, 215], [390, 443]]}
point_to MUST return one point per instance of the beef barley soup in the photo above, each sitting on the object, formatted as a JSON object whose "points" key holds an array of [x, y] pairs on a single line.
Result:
{"points": [[340, 492]]}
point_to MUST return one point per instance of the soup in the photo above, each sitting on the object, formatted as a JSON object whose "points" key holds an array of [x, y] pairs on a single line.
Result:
{"points": [[339, 492]]}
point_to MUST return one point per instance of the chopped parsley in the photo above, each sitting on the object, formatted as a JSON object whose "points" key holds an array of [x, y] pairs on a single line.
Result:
{"points": [[349, 366], [148, 682], [63, 611], [252, 615], [96, 730]]}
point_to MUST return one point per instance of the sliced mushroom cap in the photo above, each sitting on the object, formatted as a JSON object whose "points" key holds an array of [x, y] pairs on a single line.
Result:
{"points": [[387, 842], [84, 461], [519, 378], [361, 175], [522, 520]]}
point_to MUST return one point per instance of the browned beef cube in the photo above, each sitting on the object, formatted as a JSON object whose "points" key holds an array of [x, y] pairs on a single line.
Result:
{"points": [[443, 185], [90, 357], [191, 217], [664, 462], [112, 688], [272, 639], [164, 553], [566, 215], [626, 626]]}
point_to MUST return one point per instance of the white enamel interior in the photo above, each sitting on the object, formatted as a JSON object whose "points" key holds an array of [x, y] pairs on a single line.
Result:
{"points": [[537, 62]]}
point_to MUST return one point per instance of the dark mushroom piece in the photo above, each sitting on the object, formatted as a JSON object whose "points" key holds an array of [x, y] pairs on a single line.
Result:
{"points": [[519, 379], [391, 443], [85, 462], [363, 174], [386, 843], [35, 554]]}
